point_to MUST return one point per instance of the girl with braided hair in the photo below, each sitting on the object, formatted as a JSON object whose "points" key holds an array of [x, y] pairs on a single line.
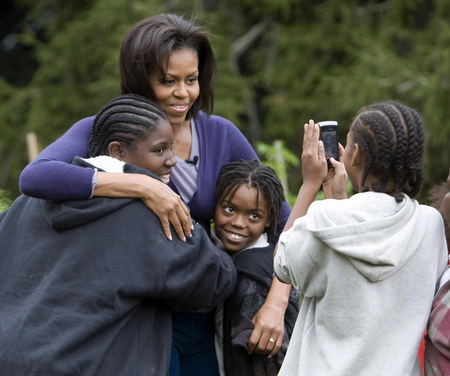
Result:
{"points": [[87, 287], [368, 265], [132, 128], [249, 197], [170, 60]]}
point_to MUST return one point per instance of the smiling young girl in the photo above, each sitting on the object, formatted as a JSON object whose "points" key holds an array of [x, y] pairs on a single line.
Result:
{"points": [[249, 197], [132, 129]]}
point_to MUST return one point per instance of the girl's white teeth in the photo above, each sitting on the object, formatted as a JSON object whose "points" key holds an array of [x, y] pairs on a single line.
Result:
{"points": [[235, 236], [165, 177]]}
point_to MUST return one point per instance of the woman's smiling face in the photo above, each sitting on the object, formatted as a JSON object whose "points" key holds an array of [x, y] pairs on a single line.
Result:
{"points": [[177, 92]]}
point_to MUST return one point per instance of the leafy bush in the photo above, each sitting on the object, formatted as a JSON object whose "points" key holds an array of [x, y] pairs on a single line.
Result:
{"points": [[5, 202]]}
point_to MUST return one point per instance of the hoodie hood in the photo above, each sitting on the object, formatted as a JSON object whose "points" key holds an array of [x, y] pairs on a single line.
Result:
{"points": [[377, 234], [65, 215]]}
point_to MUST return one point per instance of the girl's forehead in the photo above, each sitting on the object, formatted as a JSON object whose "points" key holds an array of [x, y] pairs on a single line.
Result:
{"points": [[231, 190], [163, 124], [244, 193], [161, 131]]}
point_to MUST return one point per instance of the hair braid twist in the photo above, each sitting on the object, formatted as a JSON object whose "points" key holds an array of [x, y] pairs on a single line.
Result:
{"points": [[125, 118], [391, 136]]}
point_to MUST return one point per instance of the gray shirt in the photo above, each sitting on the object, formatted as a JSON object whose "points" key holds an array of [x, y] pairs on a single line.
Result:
{"points": [[184, 174]]}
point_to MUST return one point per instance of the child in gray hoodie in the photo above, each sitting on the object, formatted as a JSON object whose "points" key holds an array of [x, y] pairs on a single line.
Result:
{"points": [[367, 266]]}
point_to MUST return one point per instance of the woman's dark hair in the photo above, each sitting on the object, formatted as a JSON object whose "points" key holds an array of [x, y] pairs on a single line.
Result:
{"points": [[392, 138], [255, 175], [125, 119], [146, 49]]}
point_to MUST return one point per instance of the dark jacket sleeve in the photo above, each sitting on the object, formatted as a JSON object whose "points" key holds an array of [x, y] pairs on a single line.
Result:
{"points": [[254, 279], [186, 276], [202, 274], [125, 236]]}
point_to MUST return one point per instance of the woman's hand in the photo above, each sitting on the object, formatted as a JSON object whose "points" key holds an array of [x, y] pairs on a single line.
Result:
{"points": [[169, 208], [157, 196], [267, 336], [335, 183]]}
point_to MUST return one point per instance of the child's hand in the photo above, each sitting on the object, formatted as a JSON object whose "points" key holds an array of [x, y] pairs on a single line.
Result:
{"points": [[335, 183], [314, 163]]}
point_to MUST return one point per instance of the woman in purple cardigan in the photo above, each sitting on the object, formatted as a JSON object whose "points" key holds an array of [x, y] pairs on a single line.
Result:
{"points": [[169, 60]]}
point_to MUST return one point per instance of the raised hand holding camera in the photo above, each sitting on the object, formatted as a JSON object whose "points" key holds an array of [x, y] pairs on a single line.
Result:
{"points": [[330, 137]]}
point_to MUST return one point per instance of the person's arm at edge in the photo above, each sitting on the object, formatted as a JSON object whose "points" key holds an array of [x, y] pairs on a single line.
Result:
{"points": [[51, 176], [278, 297], [277, 300]]}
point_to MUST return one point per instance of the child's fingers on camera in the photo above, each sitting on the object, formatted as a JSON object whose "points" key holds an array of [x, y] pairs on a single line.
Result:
{"points": [[341, 151], [338, 166], [321, 151], [308, 138]]}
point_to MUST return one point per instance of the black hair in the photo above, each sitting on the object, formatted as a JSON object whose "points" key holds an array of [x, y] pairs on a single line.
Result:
{"points": [[252, 173], [392, 138], [147, 47], [125, 119]]}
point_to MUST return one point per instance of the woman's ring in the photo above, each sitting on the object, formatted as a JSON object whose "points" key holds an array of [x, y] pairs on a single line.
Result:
{"points": [[271, 340]]}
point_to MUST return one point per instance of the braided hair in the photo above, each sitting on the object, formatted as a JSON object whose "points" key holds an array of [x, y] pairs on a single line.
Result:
{"points": [[392, 138], [125, 119], [255, 175]]}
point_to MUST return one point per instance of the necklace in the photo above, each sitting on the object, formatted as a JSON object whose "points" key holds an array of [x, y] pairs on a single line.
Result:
{"points": [[177, 143]]}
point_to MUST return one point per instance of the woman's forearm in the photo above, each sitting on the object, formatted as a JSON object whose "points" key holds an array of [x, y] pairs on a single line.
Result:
{"points": [[157, 196], [109, 184], [55, 180], [278, 295], [52, 176]]}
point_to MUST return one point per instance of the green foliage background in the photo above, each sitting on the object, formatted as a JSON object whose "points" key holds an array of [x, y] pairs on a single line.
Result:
{"points": [[281, 62]]}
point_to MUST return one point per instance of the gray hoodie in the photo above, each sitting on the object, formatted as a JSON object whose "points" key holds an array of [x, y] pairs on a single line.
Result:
{"points": [[368, 268]]}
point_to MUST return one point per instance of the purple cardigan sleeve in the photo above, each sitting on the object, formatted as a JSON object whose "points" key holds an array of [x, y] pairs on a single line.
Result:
{"points": [[51, 175]]}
